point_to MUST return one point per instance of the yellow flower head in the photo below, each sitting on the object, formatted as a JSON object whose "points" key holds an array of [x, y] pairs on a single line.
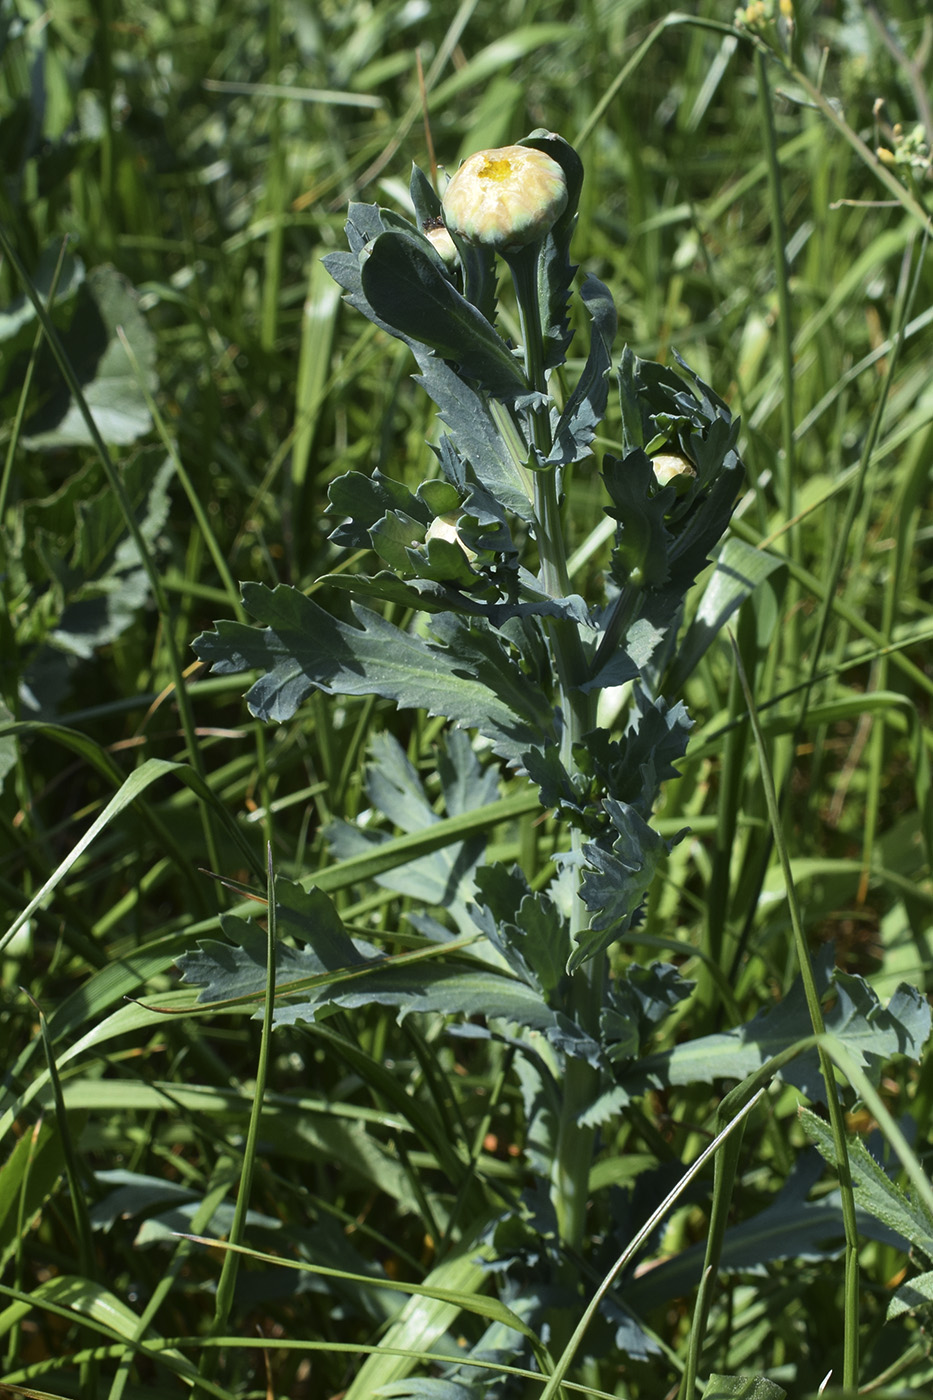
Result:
{"points": [[505, 198]]}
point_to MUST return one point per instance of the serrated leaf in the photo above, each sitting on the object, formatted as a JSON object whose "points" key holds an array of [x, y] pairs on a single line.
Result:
{"points": [[331, 969], [870, 1032], [873, 1188], [469, 677], [586, 407], [497, 463], [444, 877], [616, 878], [916, 1293]]}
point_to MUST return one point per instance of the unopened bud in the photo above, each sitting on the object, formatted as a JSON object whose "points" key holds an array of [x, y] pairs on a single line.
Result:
{"points": [[442, 243], [505, 198], [444, 527], [667, 466]]}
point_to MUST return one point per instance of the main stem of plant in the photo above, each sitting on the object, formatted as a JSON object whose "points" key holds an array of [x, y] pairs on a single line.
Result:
{"points": [[573, 1148]]}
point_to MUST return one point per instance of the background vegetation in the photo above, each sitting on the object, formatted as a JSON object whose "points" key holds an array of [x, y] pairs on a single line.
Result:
{"points": [[198, 159]]}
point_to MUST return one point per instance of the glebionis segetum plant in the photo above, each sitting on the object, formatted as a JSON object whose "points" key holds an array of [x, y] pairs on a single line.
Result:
{"points": [[469, 611]]}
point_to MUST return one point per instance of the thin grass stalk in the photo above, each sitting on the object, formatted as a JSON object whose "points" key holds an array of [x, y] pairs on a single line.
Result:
{"points": [[230, 590], [553, 1386], [228, 1275], [19, 1261], [213, 1199], [815, 1010], [20, 413], [275, 191], [158, 1350], [724, 1174], [76, 1187], [815, 585], [115, 483], [782, 290]]}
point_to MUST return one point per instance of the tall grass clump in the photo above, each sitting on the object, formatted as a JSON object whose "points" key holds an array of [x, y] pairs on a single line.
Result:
{"points": [[524, 992]]}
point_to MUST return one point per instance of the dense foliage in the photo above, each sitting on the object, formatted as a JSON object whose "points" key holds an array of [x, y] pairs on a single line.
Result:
{"points": [[449, 1157]]}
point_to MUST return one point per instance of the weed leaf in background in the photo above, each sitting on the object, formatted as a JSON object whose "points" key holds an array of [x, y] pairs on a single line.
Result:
{"points": [[108, 378], [870, 1032]]}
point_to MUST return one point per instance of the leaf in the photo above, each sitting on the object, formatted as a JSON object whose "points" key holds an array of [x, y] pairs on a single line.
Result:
{"points": [[738, 571], [869, 1032], [364, 499], [916, 1294], [8, 745], [470, 678], [791, 1227], [108, 378], [498, 463], [27, 1179], [404, 285], [330, 969], [616, 878], [109, 584], [445, 877], [586, 407], [425, 1388], [555, 270], [21, 311], [873, 1188], [742, 1388], [131, 1194]]}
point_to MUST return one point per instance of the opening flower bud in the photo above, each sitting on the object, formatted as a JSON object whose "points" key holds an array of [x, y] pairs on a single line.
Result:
{"points": [[505, 198], [441, 241], [667, 466], [444, 527]]}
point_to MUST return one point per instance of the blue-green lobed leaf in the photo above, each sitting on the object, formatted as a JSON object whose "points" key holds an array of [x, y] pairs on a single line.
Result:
{"points": [[466, 675]]}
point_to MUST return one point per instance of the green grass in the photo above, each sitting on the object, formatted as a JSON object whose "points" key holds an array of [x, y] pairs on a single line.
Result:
{"points": [[166, 146]]}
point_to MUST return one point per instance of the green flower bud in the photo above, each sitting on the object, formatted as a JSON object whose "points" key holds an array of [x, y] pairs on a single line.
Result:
{"points": [[505, 198]]}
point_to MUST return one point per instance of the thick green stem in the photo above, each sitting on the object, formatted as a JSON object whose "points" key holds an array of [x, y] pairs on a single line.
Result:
{"points": [[573, 1147]]}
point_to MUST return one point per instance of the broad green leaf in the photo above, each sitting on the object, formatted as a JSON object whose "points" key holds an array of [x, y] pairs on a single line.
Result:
{"points": [[21, 311], [406, 289], [110, 382]]}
